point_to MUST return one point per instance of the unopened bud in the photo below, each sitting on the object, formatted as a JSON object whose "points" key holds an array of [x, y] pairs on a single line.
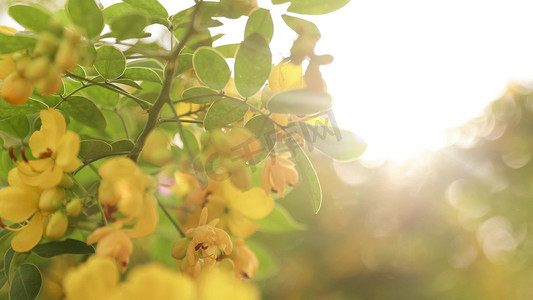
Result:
{"points": [[50, 197], [57, 226], [180, 248], [67, 181], [74, 207]]}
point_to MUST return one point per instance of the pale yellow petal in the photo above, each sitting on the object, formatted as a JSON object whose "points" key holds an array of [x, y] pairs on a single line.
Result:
{"points": [[241, 226], [53, 127], [38, 143], [96, 279], [148, 220], [17, 204], [26, 239], [68, 148], [253, 203], [51, 177], [99, 233]]}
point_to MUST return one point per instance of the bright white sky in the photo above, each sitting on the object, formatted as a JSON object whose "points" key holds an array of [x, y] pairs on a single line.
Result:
{"points": [[405, 70]]}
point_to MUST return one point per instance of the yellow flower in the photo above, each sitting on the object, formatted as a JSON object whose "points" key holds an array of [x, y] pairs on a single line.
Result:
{"points": [[245, 260], [7, 64], [215, 283], [96, 279], [113, 243], [278, 171], [126, 189], [20, 204], [238, 209], [154, 281], [57, 149], [286, 76], [206, 240]]}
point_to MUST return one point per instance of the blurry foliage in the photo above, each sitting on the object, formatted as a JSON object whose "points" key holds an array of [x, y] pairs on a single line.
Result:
{"points": [[452, 224]]}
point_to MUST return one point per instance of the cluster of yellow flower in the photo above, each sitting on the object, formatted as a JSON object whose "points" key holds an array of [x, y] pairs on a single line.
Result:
{"points": [[56, 52], [36, 198]]}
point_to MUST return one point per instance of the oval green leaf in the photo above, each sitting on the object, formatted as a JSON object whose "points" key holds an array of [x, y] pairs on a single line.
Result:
{"points": [[94, 149], [228, 51], [12, 43], [86, 15], [16, 126], [279, 221], [211, 68], [31, 17], [315, 7], [26, 283], [143, 74], [32, 106], [260, 21], [224, 112], [300, 101], [200, 95], [68, 246], [253, 63], [263, 128], [129, 26], [151, 7], [110, 62], [84, 111]]}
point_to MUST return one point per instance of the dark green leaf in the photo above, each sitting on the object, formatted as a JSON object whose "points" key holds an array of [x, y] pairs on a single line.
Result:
{"points": [[31, 17], [260, 21], [253, 63], [200, 95], [84, 111], [340, 144], [17, 126], [93, 149], [300, 101], [68, 246], [263, 128], [211, 68], [129, 26], [151, 7], [110, 62], [121, 146], [13, 43], [279, 221], [308, 186], [143, 74], [228, 51], [223, 112], [26, 283], [315, 7], [32, 106], [86, 15]]}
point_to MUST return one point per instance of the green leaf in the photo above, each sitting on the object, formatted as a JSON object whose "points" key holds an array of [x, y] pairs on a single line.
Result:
{"points": [[263, 128], [302, 27], [68, 246], [8, 260], [299, 101], [253, 63], [223, 112], [279, 221], [128, 82], [151, 7], [269, 263], [211, 68], [32, 106], [117, 10], [192, 142], [129, 26], [308, 186], [143, 74], [340, 144], [101, 95], [84, 111], [31, 17], [228, 51], [110, 62], [94, 149], [260, 21], [17, 126], [26, 283], [121, 146], [13, 43], [315, 7], [201, 95], [86, 15], [184, 63]]}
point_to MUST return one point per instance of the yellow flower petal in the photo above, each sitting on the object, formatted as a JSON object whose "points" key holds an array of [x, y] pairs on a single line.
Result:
{"points": [[253, 203], [38, 143], [67, 150], [148, 220], [240, 225], [96, 279], [26, 239], [17, 204], [286, 76], [215, 283]]}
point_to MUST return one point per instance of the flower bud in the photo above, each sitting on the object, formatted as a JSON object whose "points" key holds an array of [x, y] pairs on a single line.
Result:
{"points": [[74, 207], [37, 68], [57, 226], [51, 83], [16, 90], [67, 181], [50, 197], [67, 56], [180, 248]]}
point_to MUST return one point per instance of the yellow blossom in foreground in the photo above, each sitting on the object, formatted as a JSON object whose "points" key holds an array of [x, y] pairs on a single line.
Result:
{"points": [[278, 171], [96, 279], [126, 189], [57, 149], [286, 76], [113, 243], [206, 240], [217, 284], [19, 203]]}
